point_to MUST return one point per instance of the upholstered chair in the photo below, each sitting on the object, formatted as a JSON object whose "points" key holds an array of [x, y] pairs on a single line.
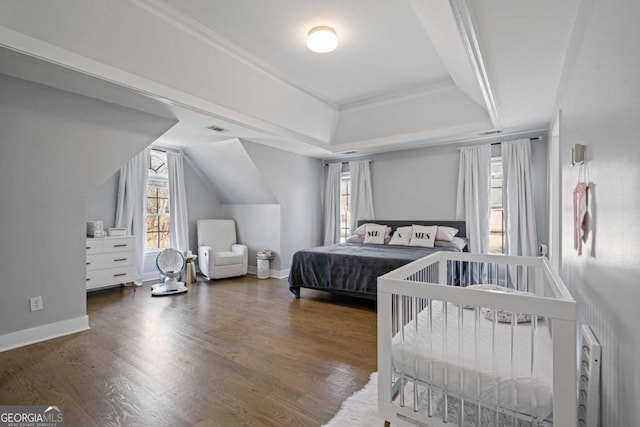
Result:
{"points": [[219, 254]]}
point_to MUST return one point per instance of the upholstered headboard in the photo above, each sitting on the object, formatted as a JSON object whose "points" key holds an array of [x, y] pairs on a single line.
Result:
{"points": [[460, 225]]}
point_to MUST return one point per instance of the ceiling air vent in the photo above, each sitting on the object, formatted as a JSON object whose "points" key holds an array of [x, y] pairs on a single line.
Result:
{"points": [[218, 129], [350, 152]]}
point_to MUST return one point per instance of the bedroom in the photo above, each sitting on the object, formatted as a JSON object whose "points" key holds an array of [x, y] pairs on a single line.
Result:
{"points": [[597, 95]]}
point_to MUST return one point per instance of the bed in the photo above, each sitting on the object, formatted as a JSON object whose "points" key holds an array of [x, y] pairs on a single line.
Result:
{"points": [[353, 268], [500, 353]]}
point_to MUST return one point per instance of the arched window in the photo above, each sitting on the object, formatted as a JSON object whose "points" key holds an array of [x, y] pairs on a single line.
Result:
{"points": [[158, 202]]}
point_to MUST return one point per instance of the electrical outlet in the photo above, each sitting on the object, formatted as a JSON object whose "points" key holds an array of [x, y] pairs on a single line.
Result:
{"points": [[35, 303]]}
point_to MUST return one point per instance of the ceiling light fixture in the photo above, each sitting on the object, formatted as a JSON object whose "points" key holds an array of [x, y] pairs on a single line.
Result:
{"points": [[322, 39]]}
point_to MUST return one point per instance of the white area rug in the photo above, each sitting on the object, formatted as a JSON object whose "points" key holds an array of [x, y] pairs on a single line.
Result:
{"points": [[361, 409]]}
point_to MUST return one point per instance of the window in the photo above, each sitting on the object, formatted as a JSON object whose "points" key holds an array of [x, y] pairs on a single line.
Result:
{"points": [[158, 202], [345, 201], [496, 226]]}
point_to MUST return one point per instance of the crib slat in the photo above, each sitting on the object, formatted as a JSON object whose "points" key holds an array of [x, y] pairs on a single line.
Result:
{"points": [[534, 401], [514, 361]]}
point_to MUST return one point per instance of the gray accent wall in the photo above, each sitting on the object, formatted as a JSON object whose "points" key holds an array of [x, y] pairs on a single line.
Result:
{"points": [[422, 183], [258, 227], [54, 148], [296, 182], [599, 101]]}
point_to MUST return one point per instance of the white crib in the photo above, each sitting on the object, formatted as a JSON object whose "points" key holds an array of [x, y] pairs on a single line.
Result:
{"points": [[445, 359]]}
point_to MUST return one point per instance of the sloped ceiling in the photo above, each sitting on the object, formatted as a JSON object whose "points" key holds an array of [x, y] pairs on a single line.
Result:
{"points": [[230, 169], [403, 75]]}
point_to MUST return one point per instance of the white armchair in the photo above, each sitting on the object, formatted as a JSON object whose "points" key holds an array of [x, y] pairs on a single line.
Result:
{"points": [[219, 255]]}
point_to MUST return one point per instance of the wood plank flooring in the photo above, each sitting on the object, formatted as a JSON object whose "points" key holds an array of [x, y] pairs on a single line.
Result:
{"points": [[236, 352]]}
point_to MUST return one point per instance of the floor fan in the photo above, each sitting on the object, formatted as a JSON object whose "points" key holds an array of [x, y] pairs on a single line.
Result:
{"points": [[170, 264]]}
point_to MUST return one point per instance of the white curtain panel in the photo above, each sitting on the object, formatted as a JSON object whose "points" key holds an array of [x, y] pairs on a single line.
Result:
{"points": [[520, 222], [474, 194], [179, 228], [332, 204], [361, 207], [131, 204]]}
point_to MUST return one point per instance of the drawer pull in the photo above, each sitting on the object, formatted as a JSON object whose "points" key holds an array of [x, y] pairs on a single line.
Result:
{"points": [[121, 245], [88, 247], [119, 274], [119, 259], [88, 263], [88, 278]]}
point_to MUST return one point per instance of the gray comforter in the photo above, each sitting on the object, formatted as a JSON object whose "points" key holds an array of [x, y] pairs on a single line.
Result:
{"points": [[350, 268]]}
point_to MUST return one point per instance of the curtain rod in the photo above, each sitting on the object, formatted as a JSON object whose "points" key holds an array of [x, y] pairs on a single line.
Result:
{"points": [[165, 150], [343, 163], [535, 138]]}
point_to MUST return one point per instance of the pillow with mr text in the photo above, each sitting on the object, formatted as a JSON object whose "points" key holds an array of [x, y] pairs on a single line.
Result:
{"points": [[374, 234]]}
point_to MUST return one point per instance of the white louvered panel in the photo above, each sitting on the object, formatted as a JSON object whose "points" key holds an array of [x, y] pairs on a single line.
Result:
{"points": [[589, 380]]}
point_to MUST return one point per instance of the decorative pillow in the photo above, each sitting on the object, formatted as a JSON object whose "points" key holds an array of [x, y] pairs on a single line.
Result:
{"points": [[360, 231], [458, 243], [422, 235], [446, 233], [402, 236], [505, 316], [374, 234], [355, 239]]}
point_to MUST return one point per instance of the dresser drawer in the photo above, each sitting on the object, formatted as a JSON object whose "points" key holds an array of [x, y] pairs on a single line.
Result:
{"points": [[110, 260], [118, 244], [110, 276], [94, 246]]}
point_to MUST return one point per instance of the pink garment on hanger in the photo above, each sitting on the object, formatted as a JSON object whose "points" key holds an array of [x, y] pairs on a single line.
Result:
{"points": [[580, 198]]}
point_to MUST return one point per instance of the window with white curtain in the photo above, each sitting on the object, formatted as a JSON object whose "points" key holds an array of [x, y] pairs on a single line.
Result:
{"points": [[345, 201], [496, 226], [157, 216]]}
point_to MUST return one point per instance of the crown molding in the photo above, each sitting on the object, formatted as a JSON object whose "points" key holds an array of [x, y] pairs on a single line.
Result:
{"points": [[191, 26], [398, 96]]}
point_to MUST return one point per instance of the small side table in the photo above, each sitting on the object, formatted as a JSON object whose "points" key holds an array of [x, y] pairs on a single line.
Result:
{"points": [[263, 264], [190, 269]]}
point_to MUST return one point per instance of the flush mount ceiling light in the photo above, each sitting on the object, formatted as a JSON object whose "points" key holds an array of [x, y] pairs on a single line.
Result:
{"points": [[322, 39]]}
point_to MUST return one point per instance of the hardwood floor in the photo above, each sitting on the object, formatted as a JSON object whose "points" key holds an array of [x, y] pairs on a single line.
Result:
{"points": [[237, 352]]}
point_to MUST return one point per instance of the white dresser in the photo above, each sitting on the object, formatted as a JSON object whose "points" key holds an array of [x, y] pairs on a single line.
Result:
{"points": [[110, 261]]}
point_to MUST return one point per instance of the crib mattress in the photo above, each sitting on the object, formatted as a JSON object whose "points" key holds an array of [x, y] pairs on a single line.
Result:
{"points": [[521, 386]]}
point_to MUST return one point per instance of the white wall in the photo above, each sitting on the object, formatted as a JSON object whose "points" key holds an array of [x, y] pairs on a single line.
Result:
{"points": [[600, 103], [54, 148]]}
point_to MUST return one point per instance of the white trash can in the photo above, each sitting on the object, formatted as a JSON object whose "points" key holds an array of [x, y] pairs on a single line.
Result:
{"points": [[263, 264]]}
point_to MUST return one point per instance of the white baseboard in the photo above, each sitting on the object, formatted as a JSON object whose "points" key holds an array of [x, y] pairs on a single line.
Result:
{"points": [[43, 333], [276, 274]]}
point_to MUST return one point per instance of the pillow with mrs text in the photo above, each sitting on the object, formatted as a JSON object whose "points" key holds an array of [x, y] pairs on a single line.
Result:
{"points": [[423, 235]]}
